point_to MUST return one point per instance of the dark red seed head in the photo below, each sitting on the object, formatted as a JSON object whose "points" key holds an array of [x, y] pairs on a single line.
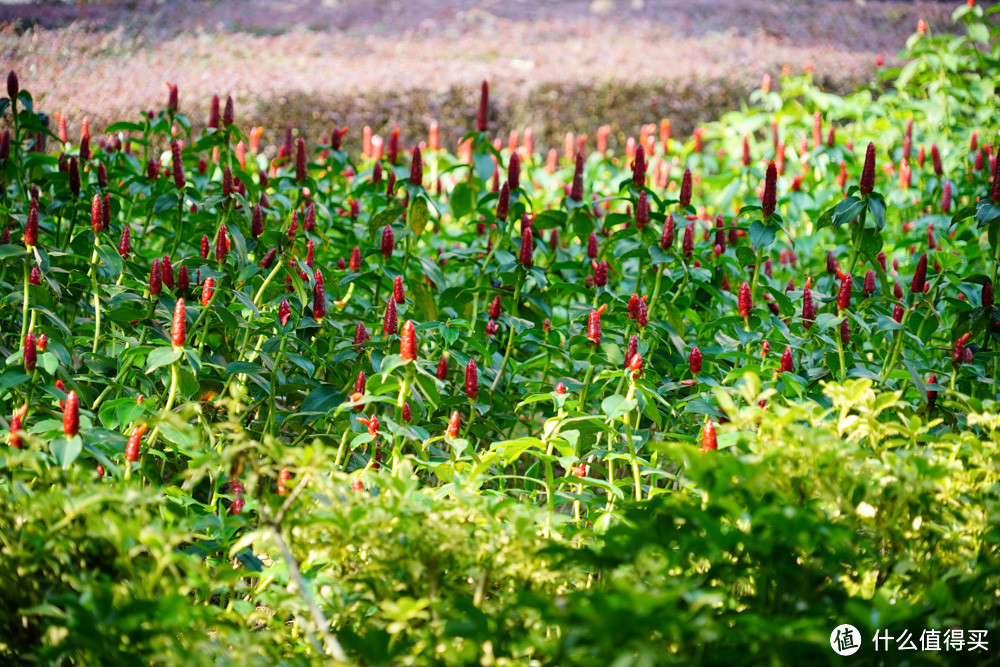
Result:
{"points": [[987, 295], [845, 332], [919, 281], [361, 336], [592, 245], [257, 222], [222, 243], [687, 244], [639, 168], [177, 165], [959, 352], [228, 115], [600, 273], [514, 172], [30, 352], [897, 313], [74, 177], [743, 300], [869, 285], [667, 235], [868, 172], [300, 160], [844, 293], [155, 278], [388, 239], [527, 247], [268, 258], [685, 195], [227, 182], [495, 308], [183, 280], [482, 118], [642, 211], [13, 86], [694, 360], [416, 167], [769, 198], [319, 297], [167, 271], [787, 364], [213, 115], [831, 262], [390, 321], [503, 202], [471, 379], [576, 191]]}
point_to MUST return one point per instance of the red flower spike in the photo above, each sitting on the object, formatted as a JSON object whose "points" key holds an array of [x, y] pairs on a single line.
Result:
{"points": [[300, 160], [491, 328], [561, 389], [919, 281], [177, 165], [416, 167], [268, 259], [319, 297], [769, 198], [471, 379], [642, 211], [96, 221], [635, 365], [931, 393], [639, 168], [309, 217], [946, 197], [687, 245], [397, 289], [576, 191], [897, 313], [995, 188], [845, 332], [600, 273], [16, 425], [227, 182], [167, 271], [204, 246], [495, 308], [134, 442], [592, 245], [709, 441], [178, 326], [207, 291], [631, 349], [283, 477], [442, 369], [406, 413], [13, 86], [868, 172], [408, 342], [43, 343], [743, 300], [30, 352], [482, 118], [257, 222], [355, 264], [183, 280], [594, 325], [71, 415], [503, 202], [454, 424], [390, 321], [844, 293], [936, 160], [667, 235], [808, 309], [869, 285], [685, 195], [633, 306], [958, 353], [642, 315], [31, 226], [987, 295], [787, 365], [831, 262], [221, 243], [765, 349], [527, 247], [35, 277], [388, 239], [695, 360], [514, 172], [155, 278]]}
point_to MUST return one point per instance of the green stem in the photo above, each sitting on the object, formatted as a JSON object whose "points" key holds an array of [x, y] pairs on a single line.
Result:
{"points": [[840, 352], [95, 286], [756, 276], [510, 335], [26, 301], [587, 378], [897, 344], [479, 284], [631, 445], [169, 406], [856, 234]]}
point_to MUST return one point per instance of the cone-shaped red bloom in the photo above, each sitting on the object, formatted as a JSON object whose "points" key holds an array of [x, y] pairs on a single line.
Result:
{"points": [[207, 291], [155, 278], [30, 352], [576, 191], [709, 441], [482, 118], [31, 226], [390, 321], [868, 172], [667, 235], [71, 415], [416, 167], [408, 342], [388, 239], [454, 424], [178, 326], [869, 285], [919, 281], [397, 289], [285, 312], [471, 379], [639, 168], [503, 202], [527, 247], [768, 200], [685, 197], [743, 300], [844, 293], [694, 360], [787, 365]]}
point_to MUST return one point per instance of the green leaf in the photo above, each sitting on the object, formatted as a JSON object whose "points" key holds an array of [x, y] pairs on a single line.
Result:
{"points": [[617, 405], [161, 356], [986, 212], [322, 399], [876, 206], [847, 210], [462, 201], [418, 216], [66, 450], [761, 235]]}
